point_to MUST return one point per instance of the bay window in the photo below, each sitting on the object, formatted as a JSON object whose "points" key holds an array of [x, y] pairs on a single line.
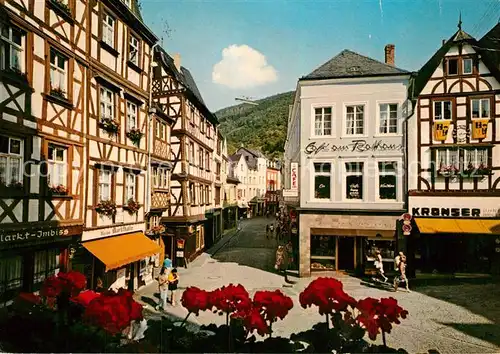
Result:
{"points": [[323, 121], [11, 160], [322, 180], [105, 185], [442, 110], [388, 121], [11, 48], [480, 108], [354, 120], [57, 165], [387, 180], [354, 180]]}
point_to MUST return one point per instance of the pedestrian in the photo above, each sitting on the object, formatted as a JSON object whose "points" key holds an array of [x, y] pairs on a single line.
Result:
{"points": [[402, 274], [167, 263], [163, 287], [173, 281], [271, 230], [267, 231], [379, 265]]}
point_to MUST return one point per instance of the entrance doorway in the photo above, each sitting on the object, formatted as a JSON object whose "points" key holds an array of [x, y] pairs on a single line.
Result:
{"points": [[346, 253]]}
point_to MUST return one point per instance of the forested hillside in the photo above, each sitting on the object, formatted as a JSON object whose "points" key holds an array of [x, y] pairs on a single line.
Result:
{"points": [[260, 127]]}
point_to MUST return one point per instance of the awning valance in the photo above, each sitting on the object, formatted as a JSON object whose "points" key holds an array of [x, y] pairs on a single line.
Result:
{"points": [[118, 251], [458, 226]]}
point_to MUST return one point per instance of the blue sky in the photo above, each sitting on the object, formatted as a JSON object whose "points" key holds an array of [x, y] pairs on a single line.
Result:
{"points": [[295, 37]]}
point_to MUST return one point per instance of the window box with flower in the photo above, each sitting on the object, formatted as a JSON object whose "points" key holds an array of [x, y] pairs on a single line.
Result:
{"points": [[156, 230], [447, 170], [110, 125], [132, 206], [59, 189], [14, 188], [135, 135], [106, 208], [62, 9]]}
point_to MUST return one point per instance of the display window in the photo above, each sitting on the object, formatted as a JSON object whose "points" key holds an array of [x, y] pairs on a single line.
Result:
{"points": [[323, 252], [386, 248]]}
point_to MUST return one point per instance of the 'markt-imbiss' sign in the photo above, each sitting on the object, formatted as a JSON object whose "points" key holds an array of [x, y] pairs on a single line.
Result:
{"points": [[454, 207]]}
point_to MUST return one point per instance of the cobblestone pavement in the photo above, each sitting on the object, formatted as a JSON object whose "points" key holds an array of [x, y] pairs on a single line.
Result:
{"points": [[462, 318]]}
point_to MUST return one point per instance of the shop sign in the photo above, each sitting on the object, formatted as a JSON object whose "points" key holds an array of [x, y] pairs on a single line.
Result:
{"points": [[454, 212], [356, 146], [117, 230], [35, 236], [454, 207], [294, 176], [179, 254], [180, 243]]}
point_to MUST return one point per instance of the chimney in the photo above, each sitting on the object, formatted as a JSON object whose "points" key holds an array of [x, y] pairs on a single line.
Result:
{"points": [[389, 54], [177, 61]]}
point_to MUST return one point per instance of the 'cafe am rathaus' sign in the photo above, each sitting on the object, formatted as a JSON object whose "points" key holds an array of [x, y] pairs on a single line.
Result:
{"points": [[355, 146]]}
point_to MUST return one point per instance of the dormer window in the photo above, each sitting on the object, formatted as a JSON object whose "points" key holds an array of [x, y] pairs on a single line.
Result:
{"points": [[452, 66]]}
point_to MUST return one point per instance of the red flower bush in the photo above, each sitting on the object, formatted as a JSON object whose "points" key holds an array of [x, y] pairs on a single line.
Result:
{"points": [[29, 298], [196, 300], [272, 304], [254, 321], [328, 295], [70, 283], [380, 314], [85, 297], [230, 299]]}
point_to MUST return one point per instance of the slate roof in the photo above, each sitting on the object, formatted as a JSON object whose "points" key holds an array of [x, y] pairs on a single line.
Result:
{"points": [[255, 153], [423, 75], [490, 46], [235, 157], [351, 64], [185, 77]]}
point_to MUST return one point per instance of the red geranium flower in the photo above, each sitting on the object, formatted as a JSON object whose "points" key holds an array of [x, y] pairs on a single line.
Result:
{"points": [[52, 287], [229, 299], [196, 300], [273, 304], [254, 321], [30, 298], [85, 297], [327, 294]]}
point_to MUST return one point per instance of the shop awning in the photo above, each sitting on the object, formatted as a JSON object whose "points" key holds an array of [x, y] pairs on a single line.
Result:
{"points": [[458, 226], [118, 251]]}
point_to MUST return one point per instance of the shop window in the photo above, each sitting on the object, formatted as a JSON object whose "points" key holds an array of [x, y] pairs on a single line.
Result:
{"points": [[11, 274], [354, 180], [481, 108], [386, 248], [322, 180], [11, 160], [46, 263], [57, 165], [387, 180], [323, 252]]}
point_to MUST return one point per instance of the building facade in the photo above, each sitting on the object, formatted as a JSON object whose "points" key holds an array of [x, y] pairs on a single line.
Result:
{"points": [[273, 186], [193, 143], [351, 160], [255, 177], [454, 158]]}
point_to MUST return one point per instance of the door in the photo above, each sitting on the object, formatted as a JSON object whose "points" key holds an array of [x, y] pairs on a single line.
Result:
{"points": [[346, 253]]}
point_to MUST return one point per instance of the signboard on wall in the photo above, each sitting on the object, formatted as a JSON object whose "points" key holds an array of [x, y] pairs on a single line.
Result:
{"points": [[294, 176], [454, 207], [32, 236]]}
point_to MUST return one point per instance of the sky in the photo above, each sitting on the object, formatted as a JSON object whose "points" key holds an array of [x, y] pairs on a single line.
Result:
{"points": [[257, 48]]}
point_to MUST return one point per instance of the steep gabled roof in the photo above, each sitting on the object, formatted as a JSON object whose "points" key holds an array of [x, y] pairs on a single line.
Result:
{"points": [[186, 79], [490, 47], [424, 74], [235, 157], [255, 153], [351, 64]]}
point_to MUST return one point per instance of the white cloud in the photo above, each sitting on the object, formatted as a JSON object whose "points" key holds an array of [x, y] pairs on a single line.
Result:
{"points": [[243, 67]]}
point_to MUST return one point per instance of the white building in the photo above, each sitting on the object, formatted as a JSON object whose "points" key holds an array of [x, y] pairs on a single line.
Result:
{"points": [[347, 119], [454, 157]]}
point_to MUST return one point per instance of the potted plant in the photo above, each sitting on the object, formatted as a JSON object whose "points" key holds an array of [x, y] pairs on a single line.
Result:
{"points": [[58, 189], [132, 206], [58, 92], [135, 135], [110, 125], [106, 207]]}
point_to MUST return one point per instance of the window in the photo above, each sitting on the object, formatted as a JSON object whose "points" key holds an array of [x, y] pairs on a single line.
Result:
{"points": [[209, 131], [207, 161], [355, 120], [131, 115], [57, 72], [107, 103], [129, 186], [202, 125], [200, 158], [191, 149], [387, 180], [160, 177], [442, 110], [447, 158], [354, 180], [11, 273], [160, 130], [11, 160], [322, 178], [200, 237], [11, 48], [217, 168], [452, 66], [133, 50], [476, 157], [108, 30], [467, 66], [105, 185], [217, 195], [323, 121], [128, 3], [57, 165], [192, 195], [46, 264], [480, 108], [191, 114], [207, 195], [388, 119]]}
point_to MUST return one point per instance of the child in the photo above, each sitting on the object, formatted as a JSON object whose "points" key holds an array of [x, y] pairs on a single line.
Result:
{"points": [[173, 281]]}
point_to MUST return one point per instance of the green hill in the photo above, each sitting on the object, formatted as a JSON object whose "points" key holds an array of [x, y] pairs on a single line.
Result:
{"points": [[260, 127]]}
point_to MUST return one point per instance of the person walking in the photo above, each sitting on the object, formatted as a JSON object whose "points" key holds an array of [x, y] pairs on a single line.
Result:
{"points": [[379, 265], [163, 287], [271, 230], [402, 274], [167, 263], [173, 281]]}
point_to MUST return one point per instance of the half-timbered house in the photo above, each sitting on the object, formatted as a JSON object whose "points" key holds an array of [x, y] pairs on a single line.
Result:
{"points": [[193, 142], [116, 252], [42, 156], [454, 158]]}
